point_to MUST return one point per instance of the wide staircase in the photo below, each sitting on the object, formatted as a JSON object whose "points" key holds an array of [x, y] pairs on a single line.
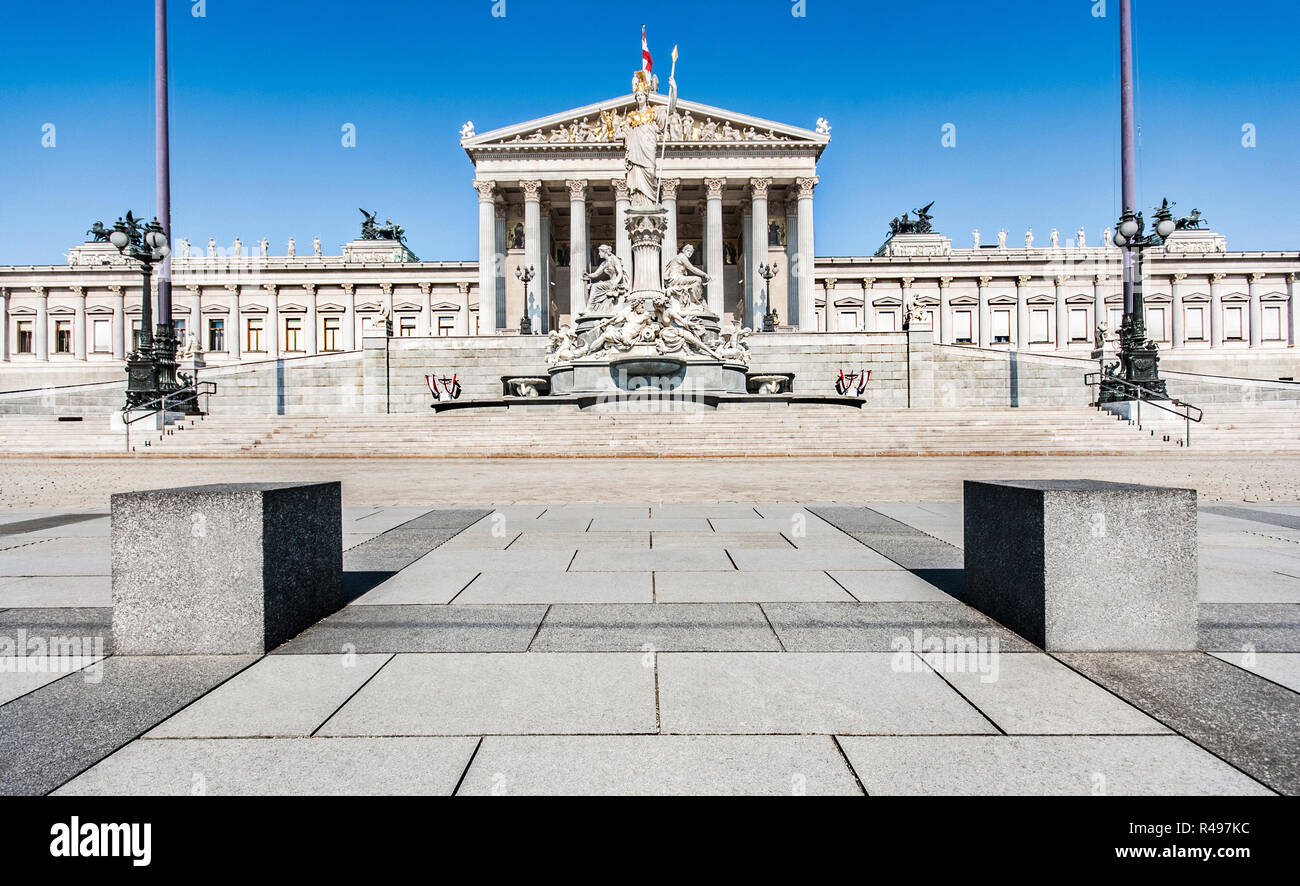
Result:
{"points": [[807, 430]]}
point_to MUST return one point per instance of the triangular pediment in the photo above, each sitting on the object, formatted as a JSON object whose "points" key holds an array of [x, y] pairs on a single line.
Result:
{"points": [[596, 125]]}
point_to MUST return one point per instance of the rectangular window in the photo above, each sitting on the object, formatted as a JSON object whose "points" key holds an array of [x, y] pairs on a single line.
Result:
{"points": [[886, 321], [1115, 319], [179, 326], [1232, 325], [25, 339], [1079, 325], [216, 334], [1156, 329], [135, 334], [851, 321], [63, 336], [1272, 322], [405, 327], [1038, 326], [332, 328], [1001, 327], [253, 343], [961, 321], [102, 336], [446, 325], [1196, 324], [293, 334]]}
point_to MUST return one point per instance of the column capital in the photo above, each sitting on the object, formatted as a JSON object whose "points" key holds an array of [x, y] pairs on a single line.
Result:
{"points": [[1061, 279], [386, 288], [830, 282], [1290, 277], [945, 282], [39, 291], [806, 186], [229, 287], [577, 188], [758, 188], [78, 291], [713, 187], [1177, 278], [868, 282], [620, 188], [532, 189], [348, 288], [1022, 280], [463, 286], [309, 288], [1256, 277], [486, 190], [272, 288], [669, 187], [1099, 279], [193, 288], [1215, 278], [985, 281]]}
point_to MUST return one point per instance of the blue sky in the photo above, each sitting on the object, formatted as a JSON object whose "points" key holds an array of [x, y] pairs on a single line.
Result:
{"points": [[260, 91]]}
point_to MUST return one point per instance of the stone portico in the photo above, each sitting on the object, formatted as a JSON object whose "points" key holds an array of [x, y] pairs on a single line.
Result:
{"points": [[738, 188]]}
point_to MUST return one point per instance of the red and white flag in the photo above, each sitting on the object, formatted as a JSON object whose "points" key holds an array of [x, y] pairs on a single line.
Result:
{"points": [[647, 63]]}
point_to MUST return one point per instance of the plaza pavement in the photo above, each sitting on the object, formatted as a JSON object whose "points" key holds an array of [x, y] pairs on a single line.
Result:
{"points": [[749, 648]]}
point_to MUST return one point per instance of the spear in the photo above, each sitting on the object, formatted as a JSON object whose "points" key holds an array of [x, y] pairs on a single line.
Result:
{"points": [[672, 107]]}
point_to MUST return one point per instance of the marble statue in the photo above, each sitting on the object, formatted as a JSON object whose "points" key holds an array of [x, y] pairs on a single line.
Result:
{"points": [[676, 331], [1029, 239], [608, 282], [212, 247], [684, 281], [915, 314], [640, 144], [1002, 239], [265, 245], [189, 348], [467, 131], [185, 248], [315, 245], [381, 321], [732, 347], [290, 248], [1081, 238], [237, 248], [1056, 239], [975, 239], [564, 346], [1106, 237], [629, 327], [823, 126]]}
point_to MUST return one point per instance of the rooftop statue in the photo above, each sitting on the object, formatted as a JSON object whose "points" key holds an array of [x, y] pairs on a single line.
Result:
{"points": [[919, 225], [98, 233], [386, 231], [1193, 222]]}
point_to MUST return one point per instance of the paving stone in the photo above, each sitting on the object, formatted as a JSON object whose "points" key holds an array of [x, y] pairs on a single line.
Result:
{"points": [[905, 545], [741, 587], [90, 626], [50, 735], [20, 675], [51, 523], [404, 766], [524, 560], [725, 510], [879, 627], [1009, 765], [571, 540], [1288, 521], [416, 628], [662, 765], [663, 560], [850, 693], [1032, 693], [809, 559], [667, 524], [661, 627], [1244, 719], [488, 694], [676, 541], [57, 556], [888, 585], [1245, 585], [414, 586], [559, 587], [281, 695], [1280, 667], [399, 547], [1263, 627], [74, 591]]}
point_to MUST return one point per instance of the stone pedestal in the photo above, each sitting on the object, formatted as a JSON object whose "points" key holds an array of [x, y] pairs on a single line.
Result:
{"points": [[645, 229], [377, 251], [1084, 565], [224, 569]]}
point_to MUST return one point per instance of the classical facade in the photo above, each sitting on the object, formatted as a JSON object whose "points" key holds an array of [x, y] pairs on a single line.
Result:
{"points": [[739, 189]]}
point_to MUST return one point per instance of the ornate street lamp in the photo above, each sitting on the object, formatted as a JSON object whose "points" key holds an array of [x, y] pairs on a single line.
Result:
{"points": [[767, 272], [1139, 357], [151, 365], [525, 275]]}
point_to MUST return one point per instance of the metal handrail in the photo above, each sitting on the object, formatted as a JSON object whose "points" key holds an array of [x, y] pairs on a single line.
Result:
{"points": [[1143, 395], [179, 397]]}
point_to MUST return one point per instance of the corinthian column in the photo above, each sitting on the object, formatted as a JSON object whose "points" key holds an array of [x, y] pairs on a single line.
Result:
{"points": [[533, 252], [758, 239], [622, 244], [1256, 310], [487, 254], [807, 309], [578, 249], [713, 188], [1177, 331], [943, 335], [79, 322], [792, 311], [41, 326], [1062, 315], [272, 331], [309, 289], [1022, 312], [1216, 311], [669, 197], [983, 339]]}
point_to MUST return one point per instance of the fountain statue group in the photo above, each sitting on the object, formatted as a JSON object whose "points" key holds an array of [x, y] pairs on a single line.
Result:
{"points": [[655, 308]]}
